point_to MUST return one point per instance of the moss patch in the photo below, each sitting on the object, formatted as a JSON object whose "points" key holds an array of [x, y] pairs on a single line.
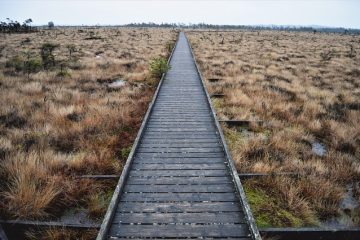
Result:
{"points": [[98, 204], [217, 103], [268, 212], [233, 137], [125, 152]]}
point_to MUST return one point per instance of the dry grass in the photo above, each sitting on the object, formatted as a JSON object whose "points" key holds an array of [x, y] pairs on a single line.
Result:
{"points": [[54, 127], [61, 234], [306, 88]]}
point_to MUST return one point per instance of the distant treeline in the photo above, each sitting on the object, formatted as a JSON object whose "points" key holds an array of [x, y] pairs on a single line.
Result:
{"points": [[248, 27], [11, 26]]}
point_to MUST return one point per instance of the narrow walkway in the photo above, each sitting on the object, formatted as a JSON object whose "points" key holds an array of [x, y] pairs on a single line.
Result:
{"points": [[180, 184]]}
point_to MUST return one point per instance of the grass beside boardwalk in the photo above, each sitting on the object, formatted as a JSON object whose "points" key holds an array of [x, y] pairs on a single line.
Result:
{"points": [[59, 118], [305, 87]]}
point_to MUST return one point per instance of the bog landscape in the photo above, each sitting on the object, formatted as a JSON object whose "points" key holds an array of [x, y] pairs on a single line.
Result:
{"points": [[178, 132]]}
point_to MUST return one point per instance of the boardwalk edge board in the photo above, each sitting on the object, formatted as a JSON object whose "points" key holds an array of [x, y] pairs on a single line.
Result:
{"points": [[35, 223], [253, 228], [348, 233], [119, 187]]}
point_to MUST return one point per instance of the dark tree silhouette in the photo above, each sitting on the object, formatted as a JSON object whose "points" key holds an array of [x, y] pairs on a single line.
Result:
{"points": [[11, 26], [51, 25]]}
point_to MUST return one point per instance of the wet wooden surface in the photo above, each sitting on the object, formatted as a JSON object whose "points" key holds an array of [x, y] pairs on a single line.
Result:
{"points": [[179, 183]]}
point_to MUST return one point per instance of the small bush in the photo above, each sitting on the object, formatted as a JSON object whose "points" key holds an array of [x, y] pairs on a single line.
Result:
{"points": [[327, 55], [158, 66], [47, 54], [26, 65], [16, 62], [33, 65], [63, 73], [72, 49]]}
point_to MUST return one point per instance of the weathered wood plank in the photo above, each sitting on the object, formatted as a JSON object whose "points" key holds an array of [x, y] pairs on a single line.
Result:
{"points": [[188, 166], [180, 140], [178, 197], [174, 173], [180, 145], [172, 230], [179, 150], [178, 129], [189, 207], [179, 218], [178, 160], [218, 188], [178, 155], [179, 180]]}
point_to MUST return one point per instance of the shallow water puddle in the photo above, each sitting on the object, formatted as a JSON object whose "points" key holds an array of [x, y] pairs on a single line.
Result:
{"points": [[117, 84], [318, 148], [349, 210], [77, 216]]}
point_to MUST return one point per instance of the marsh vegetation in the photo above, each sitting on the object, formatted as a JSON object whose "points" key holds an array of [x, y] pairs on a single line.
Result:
{"points": [[305, 89], [59, 119]]}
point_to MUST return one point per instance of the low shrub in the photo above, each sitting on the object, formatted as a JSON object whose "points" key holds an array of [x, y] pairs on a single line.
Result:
{"points": [[158, 66], [16, 62]]}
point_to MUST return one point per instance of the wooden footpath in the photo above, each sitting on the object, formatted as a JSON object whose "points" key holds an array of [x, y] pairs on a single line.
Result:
{"points": [[179, 181]]}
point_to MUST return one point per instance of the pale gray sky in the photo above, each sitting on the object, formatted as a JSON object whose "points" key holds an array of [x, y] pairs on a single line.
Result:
{"points": [[337, 13]]}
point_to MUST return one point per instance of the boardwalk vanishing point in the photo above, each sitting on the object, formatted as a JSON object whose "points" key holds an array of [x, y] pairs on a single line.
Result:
{"points": [[179, 181]]}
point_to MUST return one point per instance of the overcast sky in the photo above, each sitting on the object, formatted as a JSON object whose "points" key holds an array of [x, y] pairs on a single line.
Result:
{"points": [[336, 13]]}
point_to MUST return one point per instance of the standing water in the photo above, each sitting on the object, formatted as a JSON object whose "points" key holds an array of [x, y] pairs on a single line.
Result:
{"points": [[349, 211]]}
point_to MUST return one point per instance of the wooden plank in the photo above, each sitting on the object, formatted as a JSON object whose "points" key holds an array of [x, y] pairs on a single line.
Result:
{"points": [[180, 218], [203, 160], [179, 124], [273, 174], [218, 188], [178, 197], [180, 115], [188, 166], [189, 107], [180, 140], [168, 238], [241, 123], [189, 207], [173, 173], [328, 233], [181, 112], [179, 150], [217, 95], [187, 134], [182, 109], [180, 180], [101, 176], [178, 129], [180, 145], [181, 120], [31, 223], [172, 230], [178, 155]]}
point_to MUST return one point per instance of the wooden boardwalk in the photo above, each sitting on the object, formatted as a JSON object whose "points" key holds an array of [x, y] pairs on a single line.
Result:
{"points": [[179, 181]]}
